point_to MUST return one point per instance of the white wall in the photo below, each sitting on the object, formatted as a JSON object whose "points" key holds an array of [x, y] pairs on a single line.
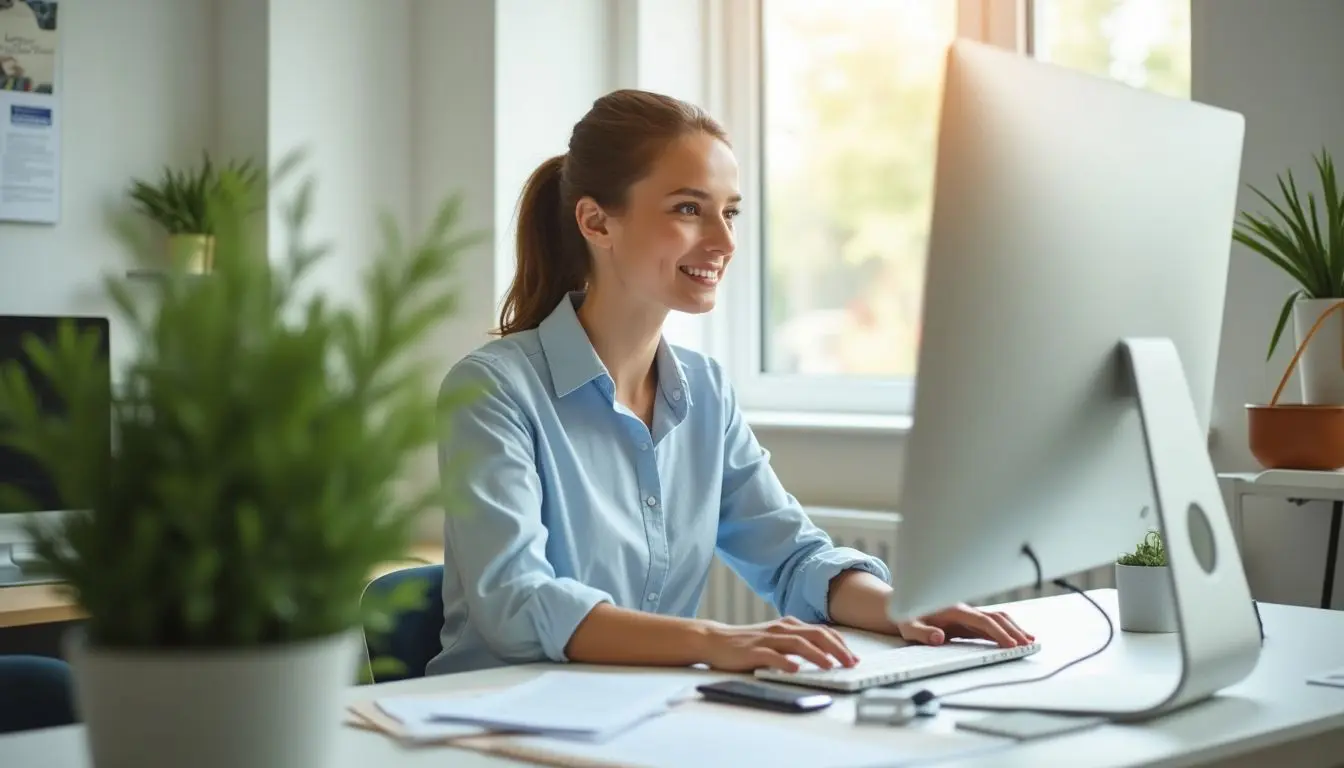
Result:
{"points": [[854, 469], [339, 90], [551, 61], [242, 59], [1277, 63], [139, 70], [453, 144]]}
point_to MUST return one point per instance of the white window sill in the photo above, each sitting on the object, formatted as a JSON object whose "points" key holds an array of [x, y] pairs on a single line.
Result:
{"points": [[830, 423]]}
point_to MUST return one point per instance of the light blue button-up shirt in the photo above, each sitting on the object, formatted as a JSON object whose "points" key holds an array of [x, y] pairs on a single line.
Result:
{"points": [[571, 501]]}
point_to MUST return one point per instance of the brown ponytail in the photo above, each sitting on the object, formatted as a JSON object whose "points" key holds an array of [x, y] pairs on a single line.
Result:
{"points": [[552, 256], [612, 147]]}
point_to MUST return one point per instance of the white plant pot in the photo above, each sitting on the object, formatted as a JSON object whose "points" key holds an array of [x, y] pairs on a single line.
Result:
{"points": [[1144, 594], [1321, 368], [265, 707]]}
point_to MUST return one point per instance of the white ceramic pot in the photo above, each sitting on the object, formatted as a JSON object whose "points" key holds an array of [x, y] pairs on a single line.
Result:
{"points": [[267, 707], [1144, 594], [1321, 369]]}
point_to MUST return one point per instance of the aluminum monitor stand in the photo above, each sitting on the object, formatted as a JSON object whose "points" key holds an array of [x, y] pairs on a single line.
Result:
{"points": [[1218, 630]]}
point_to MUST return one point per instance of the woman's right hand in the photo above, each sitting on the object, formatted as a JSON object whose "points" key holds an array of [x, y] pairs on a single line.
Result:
{"points": [[772, 644]]}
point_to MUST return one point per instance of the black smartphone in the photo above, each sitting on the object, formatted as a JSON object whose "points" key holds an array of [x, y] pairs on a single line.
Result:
{"points": [[762, 696]]}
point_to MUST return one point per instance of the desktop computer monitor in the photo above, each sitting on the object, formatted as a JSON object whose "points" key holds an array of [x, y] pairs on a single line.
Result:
{"points": [[17, 469], [1073, 307]]}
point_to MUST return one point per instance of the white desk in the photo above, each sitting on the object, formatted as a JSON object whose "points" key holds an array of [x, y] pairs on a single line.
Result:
{"points": [[1273, 718]]}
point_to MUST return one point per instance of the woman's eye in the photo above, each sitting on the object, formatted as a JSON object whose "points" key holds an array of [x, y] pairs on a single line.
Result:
{"points": [[731, 213], [688, 209]]}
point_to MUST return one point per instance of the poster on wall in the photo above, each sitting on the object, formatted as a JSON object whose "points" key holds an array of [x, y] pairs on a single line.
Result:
{"points": [[30, 153]]}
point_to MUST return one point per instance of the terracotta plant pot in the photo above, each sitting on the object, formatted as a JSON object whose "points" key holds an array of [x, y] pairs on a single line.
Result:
{"points": [[1307, 437]]}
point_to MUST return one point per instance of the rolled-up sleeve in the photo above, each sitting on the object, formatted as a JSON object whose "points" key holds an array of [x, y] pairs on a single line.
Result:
{"points": [[493, 534], [766, 537]]}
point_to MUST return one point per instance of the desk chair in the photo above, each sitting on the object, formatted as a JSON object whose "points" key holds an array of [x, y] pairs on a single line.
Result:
{"points": [[35, 692], [414, 637]]}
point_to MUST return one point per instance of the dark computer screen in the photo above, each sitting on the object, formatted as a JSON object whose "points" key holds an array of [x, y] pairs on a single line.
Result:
{"points": [[16, 468]]}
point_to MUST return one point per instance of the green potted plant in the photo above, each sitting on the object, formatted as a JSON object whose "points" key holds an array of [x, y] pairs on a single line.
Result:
{"points": [[179, 203], [262, 433], [1305, 239], [1144, 589]]}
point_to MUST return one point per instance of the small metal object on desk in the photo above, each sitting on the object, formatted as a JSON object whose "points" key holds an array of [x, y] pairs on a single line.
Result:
{"points": [[882, 706]]}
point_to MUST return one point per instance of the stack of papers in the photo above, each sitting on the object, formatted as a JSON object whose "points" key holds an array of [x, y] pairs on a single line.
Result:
{"points": [[587, 706], [709, 739], [596, 719]]}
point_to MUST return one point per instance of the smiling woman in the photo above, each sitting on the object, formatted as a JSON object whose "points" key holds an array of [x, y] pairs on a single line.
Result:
{"points": [[642, 175], [604, 467]]}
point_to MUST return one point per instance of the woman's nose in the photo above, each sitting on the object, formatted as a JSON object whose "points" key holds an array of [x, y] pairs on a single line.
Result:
{"points": [[720, 238]]}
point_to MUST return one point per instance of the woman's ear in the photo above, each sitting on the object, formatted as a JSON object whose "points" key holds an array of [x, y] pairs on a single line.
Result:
{"points": [[592, 221]]}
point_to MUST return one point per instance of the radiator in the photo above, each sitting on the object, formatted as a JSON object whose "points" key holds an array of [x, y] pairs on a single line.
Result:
{"points": [[728, 599]]}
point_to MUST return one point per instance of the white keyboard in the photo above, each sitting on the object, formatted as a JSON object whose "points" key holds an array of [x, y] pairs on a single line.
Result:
{"points": [[898, 665]]}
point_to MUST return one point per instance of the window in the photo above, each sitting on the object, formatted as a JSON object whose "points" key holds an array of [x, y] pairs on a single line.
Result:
{"points": [[833, 108], [1145, 43]]}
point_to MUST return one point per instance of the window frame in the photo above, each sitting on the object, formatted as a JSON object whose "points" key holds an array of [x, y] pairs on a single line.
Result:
{"points": [[736, 328]]}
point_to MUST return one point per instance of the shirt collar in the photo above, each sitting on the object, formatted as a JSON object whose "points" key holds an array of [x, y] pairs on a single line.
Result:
{"points": [[569, 354], [574, 362], [672, 375]]}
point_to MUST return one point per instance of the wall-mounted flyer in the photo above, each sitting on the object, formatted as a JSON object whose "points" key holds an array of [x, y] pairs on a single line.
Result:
{"points": [[30, 124]]}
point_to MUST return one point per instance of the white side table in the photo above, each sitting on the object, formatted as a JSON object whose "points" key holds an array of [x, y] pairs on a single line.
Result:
{"points": [[1295, 486]]}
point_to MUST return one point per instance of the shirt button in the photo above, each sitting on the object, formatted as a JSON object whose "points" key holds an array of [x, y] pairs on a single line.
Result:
{"points": [[676, 394], [652, 501], [653, 597], [643, 446]]}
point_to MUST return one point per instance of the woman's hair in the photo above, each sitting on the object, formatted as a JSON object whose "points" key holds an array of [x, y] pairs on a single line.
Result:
{"points": [[611, 148]]}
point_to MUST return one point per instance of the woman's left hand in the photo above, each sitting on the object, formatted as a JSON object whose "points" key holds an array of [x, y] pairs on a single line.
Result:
{"points": [[966, 622]]}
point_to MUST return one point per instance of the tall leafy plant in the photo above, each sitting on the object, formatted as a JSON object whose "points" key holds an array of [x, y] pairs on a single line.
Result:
{"points": [[180, 200], [1297, 240], [261, 438]]}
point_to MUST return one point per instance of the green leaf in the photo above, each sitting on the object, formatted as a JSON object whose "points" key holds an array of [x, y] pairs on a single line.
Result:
{"points": [[1150, 552], [1334, 217], [1275, 244], [1304, 239], [1284, 314]]}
